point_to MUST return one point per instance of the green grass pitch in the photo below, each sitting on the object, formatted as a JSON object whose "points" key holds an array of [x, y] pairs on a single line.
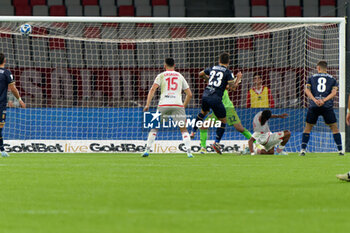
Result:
{"points": [[102, 193]]}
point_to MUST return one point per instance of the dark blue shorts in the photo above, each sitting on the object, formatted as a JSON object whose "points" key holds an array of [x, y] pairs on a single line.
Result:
{"points": [[327, 113], [214, 103]]}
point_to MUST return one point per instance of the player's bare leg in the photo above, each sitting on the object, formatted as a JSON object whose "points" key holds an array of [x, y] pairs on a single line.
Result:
{"points": [[265, 152], [3, 152], [306, 137], [285, 139], [187, 141], [150, 141], [200, 117], [219, 133], [337, 137]]}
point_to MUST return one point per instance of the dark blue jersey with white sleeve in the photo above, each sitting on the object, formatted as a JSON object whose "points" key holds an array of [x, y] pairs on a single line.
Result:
{"points": [[5, 79], [321, 85], [219, 76]]}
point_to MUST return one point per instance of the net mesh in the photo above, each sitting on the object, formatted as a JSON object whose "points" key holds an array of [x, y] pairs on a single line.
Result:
{"points": [[90, 80]]}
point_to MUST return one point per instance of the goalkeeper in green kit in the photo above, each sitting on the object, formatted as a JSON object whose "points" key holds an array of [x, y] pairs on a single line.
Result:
{"points": [[231, 116]]}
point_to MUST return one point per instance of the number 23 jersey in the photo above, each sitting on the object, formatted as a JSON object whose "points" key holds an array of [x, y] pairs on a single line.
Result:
{"points": [[218, 80], [171, 84], [321, 85]]}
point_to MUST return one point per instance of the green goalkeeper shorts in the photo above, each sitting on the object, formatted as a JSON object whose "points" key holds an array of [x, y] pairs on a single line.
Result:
{"points": [[231, 116]]}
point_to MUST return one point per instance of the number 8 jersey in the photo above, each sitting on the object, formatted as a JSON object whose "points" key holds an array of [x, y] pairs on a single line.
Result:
{"points": [[218, 80], [171, 84], [321, 85]]}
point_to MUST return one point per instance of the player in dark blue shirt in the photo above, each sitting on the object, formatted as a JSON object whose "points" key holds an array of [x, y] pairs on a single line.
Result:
{"points": [[321, 88], [218, 77], [6, 82]]}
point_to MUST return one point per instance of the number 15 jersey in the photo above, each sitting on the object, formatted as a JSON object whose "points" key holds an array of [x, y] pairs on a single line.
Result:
{"points": [[171, 84], [321, 85], [218, 80]]}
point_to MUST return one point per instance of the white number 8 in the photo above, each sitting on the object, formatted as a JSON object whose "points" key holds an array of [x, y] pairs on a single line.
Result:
{"points": [[321, 87]]}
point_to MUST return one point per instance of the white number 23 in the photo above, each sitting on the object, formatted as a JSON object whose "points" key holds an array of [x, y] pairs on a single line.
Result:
{"points": [[218, 75]]}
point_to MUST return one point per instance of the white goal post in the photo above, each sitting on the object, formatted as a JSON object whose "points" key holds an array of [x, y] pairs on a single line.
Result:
{"points": [[85, 79]]}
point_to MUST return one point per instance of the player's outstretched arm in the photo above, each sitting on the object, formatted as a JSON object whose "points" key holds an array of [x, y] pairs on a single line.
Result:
{"points": [[251, 147], [188, 93], [284, 115], [15, 92], [150, 96], [202, 74]]}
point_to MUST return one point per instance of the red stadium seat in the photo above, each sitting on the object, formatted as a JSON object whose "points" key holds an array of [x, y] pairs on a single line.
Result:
{"points": [[92, 32], [17, 3], [56, 43], [244, 43], [314, 43], [127, 46], [37, 2], [5, 35], [327, 2], [24, 10], [293, 11], [178, 32], [258, 2], [40, 30], [126, 11], [89, 2], [58, 11], [159, 2]]}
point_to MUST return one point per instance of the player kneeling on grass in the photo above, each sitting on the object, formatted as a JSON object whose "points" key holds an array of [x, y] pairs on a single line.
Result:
{"points": [[6, 82], [264, 137], [172, 84]]}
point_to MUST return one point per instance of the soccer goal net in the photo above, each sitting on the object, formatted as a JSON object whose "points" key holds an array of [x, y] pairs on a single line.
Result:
{"points": [[85, 80]]}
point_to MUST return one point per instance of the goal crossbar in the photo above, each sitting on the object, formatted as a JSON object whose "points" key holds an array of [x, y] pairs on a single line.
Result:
{"points": [[298, 20]]}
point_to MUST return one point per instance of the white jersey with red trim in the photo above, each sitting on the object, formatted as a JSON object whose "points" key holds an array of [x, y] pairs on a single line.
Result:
{"points": [[257, 124], [261, 132], [171, 84]]}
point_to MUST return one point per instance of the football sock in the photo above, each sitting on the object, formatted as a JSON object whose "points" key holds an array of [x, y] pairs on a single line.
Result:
{"points": [[203, 136], [246, 134], [305, 140], [337, 139], [220, 132], [187, 140], [151, 138], [1, 141], [280, 148], [200, 117]]}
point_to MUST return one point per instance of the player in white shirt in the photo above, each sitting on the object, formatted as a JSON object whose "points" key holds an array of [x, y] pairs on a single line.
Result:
{"points": [[172, 84], [265, 137]]}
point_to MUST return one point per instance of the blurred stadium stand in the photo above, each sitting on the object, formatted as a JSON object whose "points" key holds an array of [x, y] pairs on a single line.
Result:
{"points": [[175, 8]]}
